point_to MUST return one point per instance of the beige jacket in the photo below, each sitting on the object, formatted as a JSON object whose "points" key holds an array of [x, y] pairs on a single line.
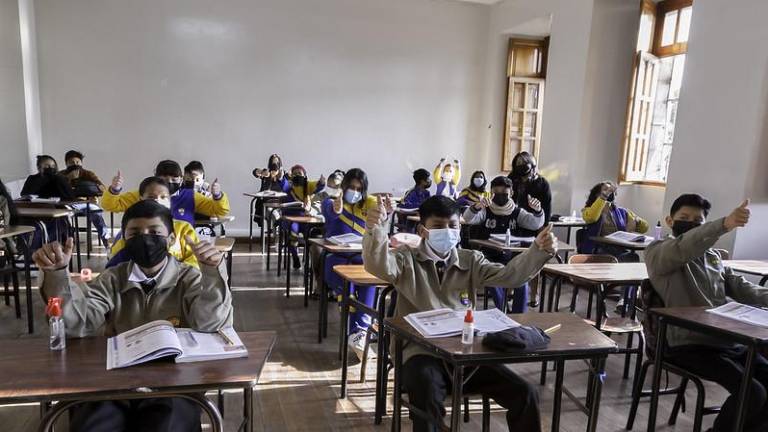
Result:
{"points": [[686, 271], [110, 304], [414, 275]]}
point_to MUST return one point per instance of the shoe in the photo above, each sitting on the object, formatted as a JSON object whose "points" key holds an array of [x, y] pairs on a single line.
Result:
{"points": [[296, 262], [533, 304], [619, 306], [357, 343]]}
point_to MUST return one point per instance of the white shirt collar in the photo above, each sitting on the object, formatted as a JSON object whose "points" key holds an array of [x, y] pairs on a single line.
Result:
{"points": [[138, 276]]}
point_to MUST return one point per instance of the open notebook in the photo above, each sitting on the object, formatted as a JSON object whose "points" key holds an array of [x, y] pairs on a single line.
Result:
{"points": [[159, 339], [351, 240], [446, 322], [514, 241], [629, 237]]}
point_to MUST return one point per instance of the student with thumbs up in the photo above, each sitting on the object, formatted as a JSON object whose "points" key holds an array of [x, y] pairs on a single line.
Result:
{"points": [[686, 270]]}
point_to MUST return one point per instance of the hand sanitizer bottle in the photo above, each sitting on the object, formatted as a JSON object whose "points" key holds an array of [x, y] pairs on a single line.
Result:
{"points": [[58, 334], [508, 238], [657, 231], [468, 332]]}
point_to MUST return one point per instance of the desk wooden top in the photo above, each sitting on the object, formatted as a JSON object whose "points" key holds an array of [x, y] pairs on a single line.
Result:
{"points": [[753, 267], [570, 223], [491, 244], [636, 246], [334, 248], [224, 244], [43, 212], [265, 194], [15, 230], [307, 220], [33, 372], [356, 274], [221, 220], [574, 338], [697, 318], [629, 273]]}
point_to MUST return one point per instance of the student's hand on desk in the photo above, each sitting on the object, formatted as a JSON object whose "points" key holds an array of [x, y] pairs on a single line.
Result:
{"points": [[216, 188], [547, 241], [534, 204], [338, 205], [376, 215], [205, 252], [117, 182], [53, 256], [738, 217]]}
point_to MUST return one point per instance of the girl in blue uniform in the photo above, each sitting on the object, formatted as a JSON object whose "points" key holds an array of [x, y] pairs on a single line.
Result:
{"points": [[299, 190]]}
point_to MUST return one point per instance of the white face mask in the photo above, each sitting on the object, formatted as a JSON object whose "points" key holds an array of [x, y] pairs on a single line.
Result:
{"points": [[165, 202], [478, 181], [332, 191], [443, 240], [352, 196], [446, 177]]}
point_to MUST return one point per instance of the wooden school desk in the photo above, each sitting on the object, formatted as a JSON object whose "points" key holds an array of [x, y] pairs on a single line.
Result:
{"points": [[697, 319], [265, 196], [751, 267], [633, 246], [19, 233], [79, 373], [327, 247], [569, 225], [356, 274], [575, 340], [307, 225]]}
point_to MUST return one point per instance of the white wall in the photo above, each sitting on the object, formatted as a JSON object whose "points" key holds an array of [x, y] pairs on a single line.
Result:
{"points": [[13, 132], [389, 86], [721, 142]]}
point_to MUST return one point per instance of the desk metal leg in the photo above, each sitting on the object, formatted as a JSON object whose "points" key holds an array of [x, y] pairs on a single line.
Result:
{"points": [[28, 281], [344, 330], [230, 255], [288, 271], [456, 397], [398, 386], [252, 215], [596, 389], [322, 302], [381, 362], [76, 238], [661, 340], [265, 243], [558, 396], [87, 230], [248, 408], [746, 380]]}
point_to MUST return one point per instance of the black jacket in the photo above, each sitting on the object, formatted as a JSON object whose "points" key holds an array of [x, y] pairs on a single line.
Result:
{"points": [[537, 188], [48, 186]]}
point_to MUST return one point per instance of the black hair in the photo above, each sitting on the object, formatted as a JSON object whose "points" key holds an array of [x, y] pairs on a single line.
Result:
{"points": [[194, 166], [501, 181], [73, 154], [691, 200], [149, 181], [168, 168], [41, 158], [359, 175], [595, 192], [472, 183], [146, 209], [438, 206], [338, 173], [279, 160], [11, 205], [523, 158], [420, 175]]}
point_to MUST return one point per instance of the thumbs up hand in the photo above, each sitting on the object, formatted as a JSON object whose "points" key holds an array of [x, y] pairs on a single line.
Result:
{"points": [[117, 182], [216, 188], [739, 217], [547, 241], [53, 256], [376, 215]]}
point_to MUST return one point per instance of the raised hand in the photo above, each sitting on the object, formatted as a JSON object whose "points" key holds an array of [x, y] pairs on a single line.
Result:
{"points": [[388, 206], [321, 180], [376, 215], [117, 182], [534, 204], [216, 188], [205, 252], [53, 256], [546, 240], [481, 204], [739, 217]]}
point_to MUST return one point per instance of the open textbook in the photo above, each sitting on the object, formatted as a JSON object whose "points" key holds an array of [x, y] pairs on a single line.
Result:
{"points": [[351, 240], [158, 339], [448, 322], [629, 237], [744, 313], [513, 240]]}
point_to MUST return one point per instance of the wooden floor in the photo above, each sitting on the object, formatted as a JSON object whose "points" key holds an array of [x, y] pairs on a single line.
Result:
{"points": [[300, 385]]}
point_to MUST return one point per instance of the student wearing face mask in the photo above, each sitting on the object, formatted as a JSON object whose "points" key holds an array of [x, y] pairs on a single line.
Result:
{"points": [[527, 184], [47, 183], [604, 217], [150, 286], [686, 271], [496, 216], [447, 177], [273, 178], [437, 274], [194, 178], [332, 189], [299, 190], [156, 189], [346, 214], [185, 203], [419, 192], [475, 191]]}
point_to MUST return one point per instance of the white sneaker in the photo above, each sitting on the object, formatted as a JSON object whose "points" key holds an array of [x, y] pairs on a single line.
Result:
{"points": [[357, 343]]}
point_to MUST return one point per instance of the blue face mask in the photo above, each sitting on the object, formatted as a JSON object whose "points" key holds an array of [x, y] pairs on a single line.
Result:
{"points": [[352, 196], [443, 240]]}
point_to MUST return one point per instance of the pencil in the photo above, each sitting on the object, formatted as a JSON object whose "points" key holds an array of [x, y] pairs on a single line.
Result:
{"points": [[553, 329], [225, 337]]}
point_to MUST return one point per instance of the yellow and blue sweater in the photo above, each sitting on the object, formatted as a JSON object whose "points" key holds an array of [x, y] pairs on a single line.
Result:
{"points": [[184, 204], [351, 220], [469, 197]]}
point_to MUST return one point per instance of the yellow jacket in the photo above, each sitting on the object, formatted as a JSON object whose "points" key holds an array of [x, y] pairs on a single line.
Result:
{"points": [[180, 249], [438, 173], [118, 203], [594, 212]]}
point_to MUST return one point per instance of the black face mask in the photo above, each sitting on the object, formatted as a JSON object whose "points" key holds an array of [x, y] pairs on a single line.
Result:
{"points": [[72, 168], [188, 184], [522, 171], [49, 171], [173, 187], [299, 180], [273, 166], [147, 250], [680, 227], [611, 197], [500, 199], [428, 184]]}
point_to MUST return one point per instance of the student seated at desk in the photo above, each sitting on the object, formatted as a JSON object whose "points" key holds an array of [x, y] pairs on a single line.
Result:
{"points": [[475, 192], [447, 177], [184, 202], [151, 286], [420, 191], [86, 185], [346, 215], [496, 217], [47, 183], [194, 178], [332, 189], [299, 190], [438, 275], [156, 189], [686, 271], [604, 217], [273, 178], [8, 217]]}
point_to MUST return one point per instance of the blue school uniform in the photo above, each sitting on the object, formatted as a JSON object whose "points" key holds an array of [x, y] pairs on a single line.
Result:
{"points": [[414, 197], [183, 205]]}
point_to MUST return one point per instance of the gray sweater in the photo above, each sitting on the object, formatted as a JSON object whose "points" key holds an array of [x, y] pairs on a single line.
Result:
{"points": [[686, 271]]}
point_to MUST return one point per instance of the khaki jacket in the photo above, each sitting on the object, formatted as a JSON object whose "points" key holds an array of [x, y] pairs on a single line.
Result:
{"points": [[414, 275], [686, 271], [110, 304]]}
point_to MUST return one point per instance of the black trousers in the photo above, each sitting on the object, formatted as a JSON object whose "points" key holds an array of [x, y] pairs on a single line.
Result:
{"points": [[427, 382], [726, 367], [145, 415]]}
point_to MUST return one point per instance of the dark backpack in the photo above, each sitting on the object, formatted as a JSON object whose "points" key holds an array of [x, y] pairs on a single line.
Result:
{"points": [[649, 299]]}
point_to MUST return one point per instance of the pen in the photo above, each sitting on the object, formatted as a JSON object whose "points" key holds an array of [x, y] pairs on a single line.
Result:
{"points": [[553, 329], [225, 337]]}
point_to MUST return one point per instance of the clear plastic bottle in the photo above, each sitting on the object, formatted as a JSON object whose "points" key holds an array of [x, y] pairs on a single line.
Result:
{"points": [[508, 238], [58, 335], [657, 231], [468, 332]]}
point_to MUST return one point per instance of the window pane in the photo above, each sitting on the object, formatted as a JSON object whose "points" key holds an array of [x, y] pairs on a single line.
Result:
{"points": [[677, 76], [515, 123], [517, 95], [685, 24], [528, 146], [533, 96], [530, 125], [645, 33], [668, 30]]}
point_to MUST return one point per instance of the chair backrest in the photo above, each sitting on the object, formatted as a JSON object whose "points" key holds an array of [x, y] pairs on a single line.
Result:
{"points": [[724, 254], [592, 259], [649, 299]]}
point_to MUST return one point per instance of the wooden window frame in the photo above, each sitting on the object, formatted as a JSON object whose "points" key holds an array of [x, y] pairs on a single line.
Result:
{"points": [[661, 10]]}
